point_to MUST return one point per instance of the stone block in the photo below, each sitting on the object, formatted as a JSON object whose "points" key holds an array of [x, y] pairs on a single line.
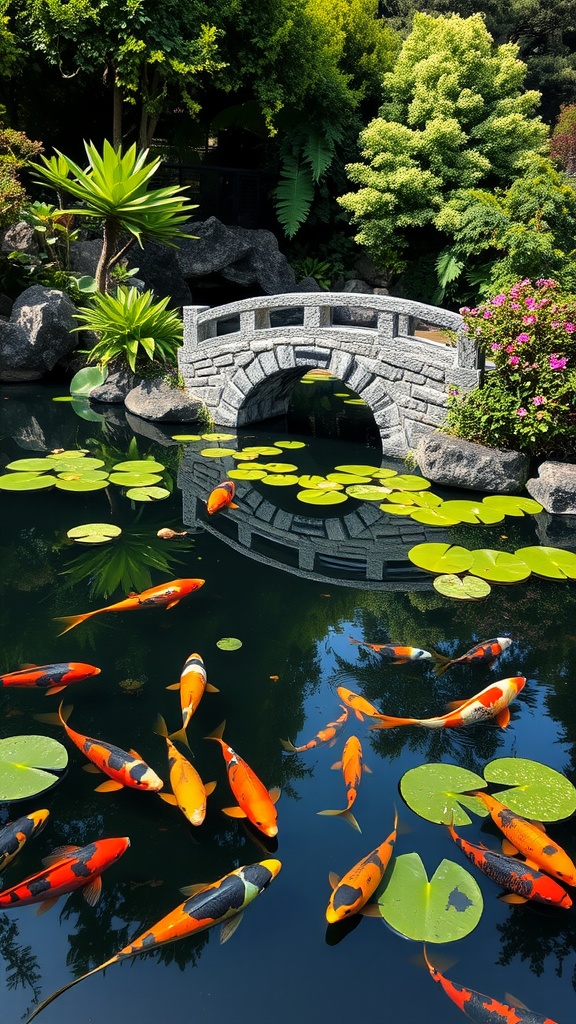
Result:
{"points": [[555, 487], [457, 463]]}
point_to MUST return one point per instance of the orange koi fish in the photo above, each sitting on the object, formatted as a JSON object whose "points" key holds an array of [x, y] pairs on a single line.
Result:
{"points": [[491, 702], [327, 735], [358, 704], [167, 595], [482, 654], [255, 802], [206, 906], [15, 833], [50, 678], [188, 791], [221, 497], [352, 767], [522, 881], [484, 1009], [192, 684], [395, 654], [352, 892], [125, 768], [530, 840], [67, 868]]}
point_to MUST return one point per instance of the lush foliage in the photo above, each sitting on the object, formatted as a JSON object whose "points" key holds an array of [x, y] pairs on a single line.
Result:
{"points": [[563, 141], [15, 150], [131, 325], [528, 402]]}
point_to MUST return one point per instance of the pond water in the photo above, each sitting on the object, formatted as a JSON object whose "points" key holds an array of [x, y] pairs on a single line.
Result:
{"points": [[294, 621]]}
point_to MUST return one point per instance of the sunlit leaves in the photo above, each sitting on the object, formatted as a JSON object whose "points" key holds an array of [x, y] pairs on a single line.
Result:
{"points": [[94, 533], [465, 588], [437, 792], [551, 563], [537, 791], [443, 558]]}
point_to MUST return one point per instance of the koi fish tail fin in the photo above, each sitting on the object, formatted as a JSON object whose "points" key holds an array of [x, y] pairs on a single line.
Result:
{"points": [[46, 1002], [69, 621], [160, 727], [388, 722], [443, 662], [180, 736], [218, 733], [353, 641], [346, 814], [289, 746]]}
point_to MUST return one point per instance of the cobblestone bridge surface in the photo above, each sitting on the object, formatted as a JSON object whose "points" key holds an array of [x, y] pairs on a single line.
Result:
{"points": [[243, 359]]}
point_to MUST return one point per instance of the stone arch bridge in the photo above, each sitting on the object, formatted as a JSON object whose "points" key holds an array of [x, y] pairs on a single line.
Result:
{"points": [[243, 359]]}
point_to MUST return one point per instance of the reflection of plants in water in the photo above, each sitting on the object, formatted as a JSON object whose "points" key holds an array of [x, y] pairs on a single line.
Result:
{"points": [[21, 965], [534, 935]]}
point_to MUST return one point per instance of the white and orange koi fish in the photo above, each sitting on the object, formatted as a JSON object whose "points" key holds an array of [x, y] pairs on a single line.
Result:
{"points": [[492, 702]]}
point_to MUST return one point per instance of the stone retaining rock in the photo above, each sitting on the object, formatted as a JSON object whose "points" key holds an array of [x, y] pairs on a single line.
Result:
{"points": [[115, 388], [555, 487], [37, 335], [157, 401], [456, 463]]}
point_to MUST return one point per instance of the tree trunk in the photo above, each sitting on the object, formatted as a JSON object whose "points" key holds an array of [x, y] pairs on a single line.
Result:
{"points": [[110, 235], [117, 116]]}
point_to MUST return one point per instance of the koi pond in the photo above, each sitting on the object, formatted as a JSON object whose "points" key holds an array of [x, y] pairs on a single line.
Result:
{"points": [[289, 583]]}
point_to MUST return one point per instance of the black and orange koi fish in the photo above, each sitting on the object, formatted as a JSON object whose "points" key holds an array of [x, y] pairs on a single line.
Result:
{"points": [[255, 802], [221, 497], [50, 678], [358, 704], [395, 654], [193, 683], [167, 595], [327, 735], [352, 767], [491, 702], [352, 892], [482, 654], [15, 833]]}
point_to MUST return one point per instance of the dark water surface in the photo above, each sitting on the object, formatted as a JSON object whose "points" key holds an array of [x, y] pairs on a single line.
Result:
{"points": [[283, 964]]}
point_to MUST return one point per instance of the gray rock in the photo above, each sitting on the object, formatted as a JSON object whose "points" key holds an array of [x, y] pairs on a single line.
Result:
{"points": [[453, 462], [155, 400], [19, 237], [263, 265], [37, 335], [144, 429], [354, 284], [307, 284], [214, 247], [115, 388], [556, 531], [6, 305], [368, 271], [555, 487], [159, 267], [84, 255]]}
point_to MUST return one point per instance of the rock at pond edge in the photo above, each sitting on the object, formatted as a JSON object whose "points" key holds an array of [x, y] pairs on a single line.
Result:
{"points": [[156, 400], [555, 487], [456, 463]]}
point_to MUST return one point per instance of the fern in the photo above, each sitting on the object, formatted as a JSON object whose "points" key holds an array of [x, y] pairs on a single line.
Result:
{"points": [[293, 195], [448, 269], [318, 152]]}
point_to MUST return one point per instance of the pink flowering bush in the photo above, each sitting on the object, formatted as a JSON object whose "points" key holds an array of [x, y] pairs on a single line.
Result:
{"points": [[528, 400]]}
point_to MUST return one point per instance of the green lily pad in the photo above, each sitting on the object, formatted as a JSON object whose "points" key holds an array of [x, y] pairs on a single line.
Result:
{"points": [[39, 465], [28, 765], [187, 437], [79, 484], [358, 470], [263, 449], [63, 398], [397, 510], [511, 505], [498, 566], [348, 478], [444, 909], [444, 558], [77, 453], [279, 479], [247, 474], [408, 482], [26, 482], [436, 791], [313, 481], [289, 444], [551, 563], [472, 511], [78, 464], [465, 588], [217, 453], [383, 473], [401, 498], [354, 401], [139, 466], [424, 499], [342, 394], [538, 792], [281, 467], [134, 479], [315, 496], [434, 517], [244, 456], [218, 437], [94, 533], [91, 475], [367, 492], [229, 643], [147, 493], [86, 379]]}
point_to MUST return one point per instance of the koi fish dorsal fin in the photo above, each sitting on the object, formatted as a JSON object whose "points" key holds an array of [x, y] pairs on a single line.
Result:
{"points": [[58, 853], [93, 891], [274, 794], [334, 879], [218, 732], [229, 927]]}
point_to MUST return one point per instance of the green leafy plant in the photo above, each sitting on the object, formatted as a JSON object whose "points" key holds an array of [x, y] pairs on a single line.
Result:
{"points": [[131, 325], [311, 266]]}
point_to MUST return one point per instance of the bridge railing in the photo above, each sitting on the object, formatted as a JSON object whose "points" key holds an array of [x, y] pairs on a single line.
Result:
{"points": [[394, 318]]}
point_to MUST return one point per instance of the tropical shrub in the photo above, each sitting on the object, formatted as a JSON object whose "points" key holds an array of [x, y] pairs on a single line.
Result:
{"points": [[130, 326], [528, 401]]}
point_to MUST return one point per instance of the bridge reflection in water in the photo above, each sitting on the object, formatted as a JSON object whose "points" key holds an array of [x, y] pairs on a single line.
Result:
{"points": [[363, 548]]}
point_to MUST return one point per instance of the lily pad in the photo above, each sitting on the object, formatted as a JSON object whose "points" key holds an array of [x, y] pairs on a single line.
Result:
{"points": [[83, 409], [444, 558], [408, 482], [72, 453], [78, 464], [315, 496], [29, 765], [63, 398], [247, 474], [424, 499], [229, 643], [79, 484], [465, 588], [383, 473], [551, 563], [39, 465], [218, 437], [348, 478], [217, 453], [94, 533], [358, 470], [313, 481], [244, 456], [444, 909], [367, 492], [538, 792], [139, 466], [354, 401], [436, 791], [90, 474], [86, 379], [263, 449], [472, 511], [498, 566], [281, 467], [26, 482], [289, 444], [134, 479], [512, 505], [147, 493], [397, 510], [433, 516], [187, 437], [279, 479], [401, 498]]}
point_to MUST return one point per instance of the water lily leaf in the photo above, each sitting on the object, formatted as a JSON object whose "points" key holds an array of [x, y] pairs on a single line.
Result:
{"points": [[472, 511], [434, 516], [63, 398], [408, 482], [315, 496], [397, 510], [78, 464], [80, 483], [187, 437], [26, 482], [354, 401], [465, 588], [358, 470], [367, 492], [147, 493], [313, 481], [90, 475], [444, 558], [28, 765], [498, 566], [290, 444], [551, 563], [247, 474], [279, 479], [436, 791], [401, 498], [76, 453], [348, 478], [342, 394], [263, 449], [218, 437], [281, 467], [39, 465], [425, 499], [217, 453], [229, 643], [244, 456], [383, 473], [538, 792], [83, 409], [94, 533], [140, 466], [512, 505], [134, 479], [444, 909], [86, 379]]}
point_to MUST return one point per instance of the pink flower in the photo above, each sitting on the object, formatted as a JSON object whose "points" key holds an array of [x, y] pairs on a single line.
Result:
{"points": [[495, 347], [554, 323], [570, 328], [529, 319], [499, 300], [513, 360], [530, 302], [521, 411], [487, 314], [523, 337], [465, 309], [557, 362], [538, 400], [514, 305]]}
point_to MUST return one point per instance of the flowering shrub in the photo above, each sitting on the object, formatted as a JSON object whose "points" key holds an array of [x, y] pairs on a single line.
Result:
{"points": [[528, 402]]}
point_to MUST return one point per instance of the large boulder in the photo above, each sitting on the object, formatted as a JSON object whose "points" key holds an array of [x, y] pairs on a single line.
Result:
{"points": [[37, 335], [115, 388], [263, 265], [19, 237], [156, 400], [555, 487], [456, 463], [214, 247]]}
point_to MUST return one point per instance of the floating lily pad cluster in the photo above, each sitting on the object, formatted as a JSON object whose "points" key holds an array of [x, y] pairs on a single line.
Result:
{"points": [[489, 566], [79, 472]]}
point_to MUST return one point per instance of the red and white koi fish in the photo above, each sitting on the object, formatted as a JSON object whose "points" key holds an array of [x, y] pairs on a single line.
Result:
{"points": [[327, 735], [482, 654], [255, 802], [15, 833], [352, 892], [192, 684], [68, 868], [395, 654], [222, 902], [221, 497], [167, 595], [188, 791], [358, 704], [491, 702], [484, 1009], [352, 767], [50, 678]]}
